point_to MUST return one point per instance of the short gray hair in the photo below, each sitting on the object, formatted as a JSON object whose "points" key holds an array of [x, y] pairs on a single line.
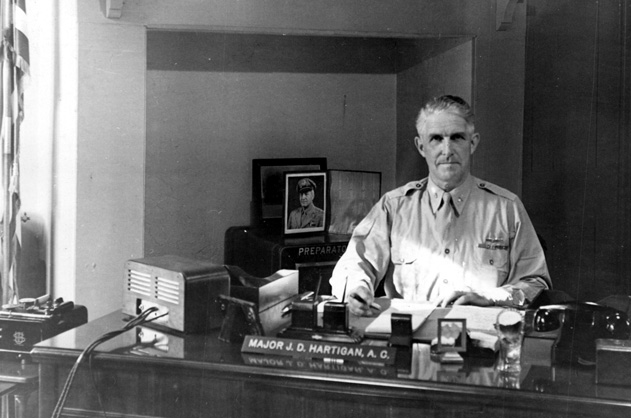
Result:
{"points": [[442, 103]]}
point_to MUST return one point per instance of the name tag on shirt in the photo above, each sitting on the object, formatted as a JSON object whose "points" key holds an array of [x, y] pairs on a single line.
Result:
{"points": [[493, 244]]}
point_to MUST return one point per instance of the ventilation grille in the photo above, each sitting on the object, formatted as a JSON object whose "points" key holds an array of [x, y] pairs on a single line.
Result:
{"points": [[153, 287]]}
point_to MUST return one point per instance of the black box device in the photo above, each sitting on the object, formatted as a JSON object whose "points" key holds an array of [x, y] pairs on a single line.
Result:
{"points": [[185, 291], [24, 325]]}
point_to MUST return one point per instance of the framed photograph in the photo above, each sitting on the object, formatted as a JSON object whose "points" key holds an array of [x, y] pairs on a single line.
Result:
{"points": [[352, 194], [452, 335], [305, 202], [268, 186]]}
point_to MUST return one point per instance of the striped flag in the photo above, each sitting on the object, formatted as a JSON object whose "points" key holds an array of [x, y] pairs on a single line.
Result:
{"points": [[21, 55], [15, 70]]}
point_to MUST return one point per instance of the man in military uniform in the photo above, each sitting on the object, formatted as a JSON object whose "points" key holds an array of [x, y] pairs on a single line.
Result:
{"points": [[307, 215], [449, 238]]}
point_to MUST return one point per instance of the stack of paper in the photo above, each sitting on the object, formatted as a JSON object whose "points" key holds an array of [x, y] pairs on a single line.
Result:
{"points": [[478, 318], [380, 325], [480, 321]]}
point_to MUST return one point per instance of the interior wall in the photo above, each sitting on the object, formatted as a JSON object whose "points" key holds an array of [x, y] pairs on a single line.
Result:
{"points": [[102, 150], [104, 107], [576, 145], [202, 140], [419, 84]]}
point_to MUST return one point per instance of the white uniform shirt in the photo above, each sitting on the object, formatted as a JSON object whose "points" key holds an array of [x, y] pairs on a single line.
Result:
{"points": [[491, 244]]}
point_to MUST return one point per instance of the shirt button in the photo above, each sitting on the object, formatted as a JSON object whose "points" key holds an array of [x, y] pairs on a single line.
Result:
{"points": [[445, 281], [447, 251], [491, 262]]}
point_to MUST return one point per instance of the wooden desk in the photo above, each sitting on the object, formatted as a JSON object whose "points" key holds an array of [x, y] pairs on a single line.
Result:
{"points": [[18, 382], [198, 375]]}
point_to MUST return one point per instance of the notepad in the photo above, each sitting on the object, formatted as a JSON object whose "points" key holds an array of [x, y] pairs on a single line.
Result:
{"points": [[478, 318], [480, 322], [380, 325]]}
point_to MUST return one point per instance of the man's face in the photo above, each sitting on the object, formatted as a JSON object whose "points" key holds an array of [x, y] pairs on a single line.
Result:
{"points": [[447, 147], [306, 198]]}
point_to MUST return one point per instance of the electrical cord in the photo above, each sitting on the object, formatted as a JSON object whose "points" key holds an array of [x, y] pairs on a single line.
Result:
{"points": [[134, 322], [93, 376]]}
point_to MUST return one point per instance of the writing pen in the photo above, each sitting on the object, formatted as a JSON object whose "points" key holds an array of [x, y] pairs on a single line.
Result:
{"points": [[361, 300]]}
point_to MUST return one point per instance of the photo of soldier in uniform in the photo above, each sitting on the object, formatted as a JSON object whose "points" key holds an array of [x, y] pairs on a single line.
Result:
{"points": [[305, 196]]}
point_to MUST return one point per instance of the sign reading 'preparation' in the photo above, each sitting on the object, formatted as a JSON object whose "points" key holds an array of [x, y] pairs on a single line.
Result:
{"points": [[318, 349]]}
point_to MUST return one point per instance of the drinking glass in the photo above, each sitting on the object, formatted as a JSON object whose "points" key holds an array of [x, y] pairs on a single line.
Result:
{"points": [[510, 331]]}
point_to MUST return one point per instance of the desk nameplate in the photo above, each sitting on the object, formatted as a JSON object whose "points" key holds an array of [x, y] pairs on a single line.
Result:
{"points": [[256, 344]]}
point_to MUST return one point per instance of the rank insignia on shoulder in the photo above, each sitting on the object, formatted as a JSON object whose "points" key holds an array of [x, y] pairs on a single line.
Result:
{"points": [[495, 189]]}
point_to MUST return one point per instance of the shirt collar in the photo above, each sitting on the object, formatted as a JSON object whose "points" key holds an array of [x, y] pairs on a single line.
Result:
{"points": [[459, 195]]}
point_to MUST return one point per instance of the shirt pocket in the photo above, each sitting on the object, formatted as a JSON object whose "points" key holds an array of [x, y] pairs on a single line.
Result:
{"points": [[406, 269], [491, 266]]}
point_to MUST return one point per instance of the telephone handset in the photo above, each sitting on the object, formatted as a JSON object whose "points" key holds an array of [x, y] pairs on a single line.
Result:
{"points": [[580, 325]]}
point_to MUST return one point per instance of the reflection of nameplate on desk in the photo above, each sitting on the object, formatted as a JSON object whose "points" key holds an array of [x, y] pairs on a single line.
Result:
{"points": [[351, 368]]}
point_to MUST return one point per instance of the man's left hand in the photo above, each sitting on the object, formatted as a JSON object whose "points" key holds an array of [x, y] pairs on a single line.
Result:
{"points": [[465, 297]]}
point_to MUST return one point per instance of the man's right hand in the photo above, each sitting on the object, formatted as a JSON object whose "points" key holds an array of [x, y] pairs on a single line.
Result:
{"points": [[358, 308]]}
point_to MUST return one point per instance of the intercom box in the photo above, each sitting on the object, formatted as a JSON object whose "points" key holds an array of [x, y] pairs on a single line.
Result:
{"points": [[184, 291], [613, 361]]}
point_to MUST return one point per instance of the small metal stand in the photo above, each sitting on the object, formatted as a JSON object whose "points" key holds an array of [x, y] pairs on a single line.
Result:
{"points": [[307, 325], [451, 340], [241, 318]]}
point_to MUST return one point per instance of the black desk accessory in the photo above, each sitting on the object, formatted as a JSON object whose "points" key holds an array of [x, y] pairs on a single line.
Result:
{"points": [[401, 339], [401, 330], [25, 324], [580, 324], [320, 318], [613, 361]]}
